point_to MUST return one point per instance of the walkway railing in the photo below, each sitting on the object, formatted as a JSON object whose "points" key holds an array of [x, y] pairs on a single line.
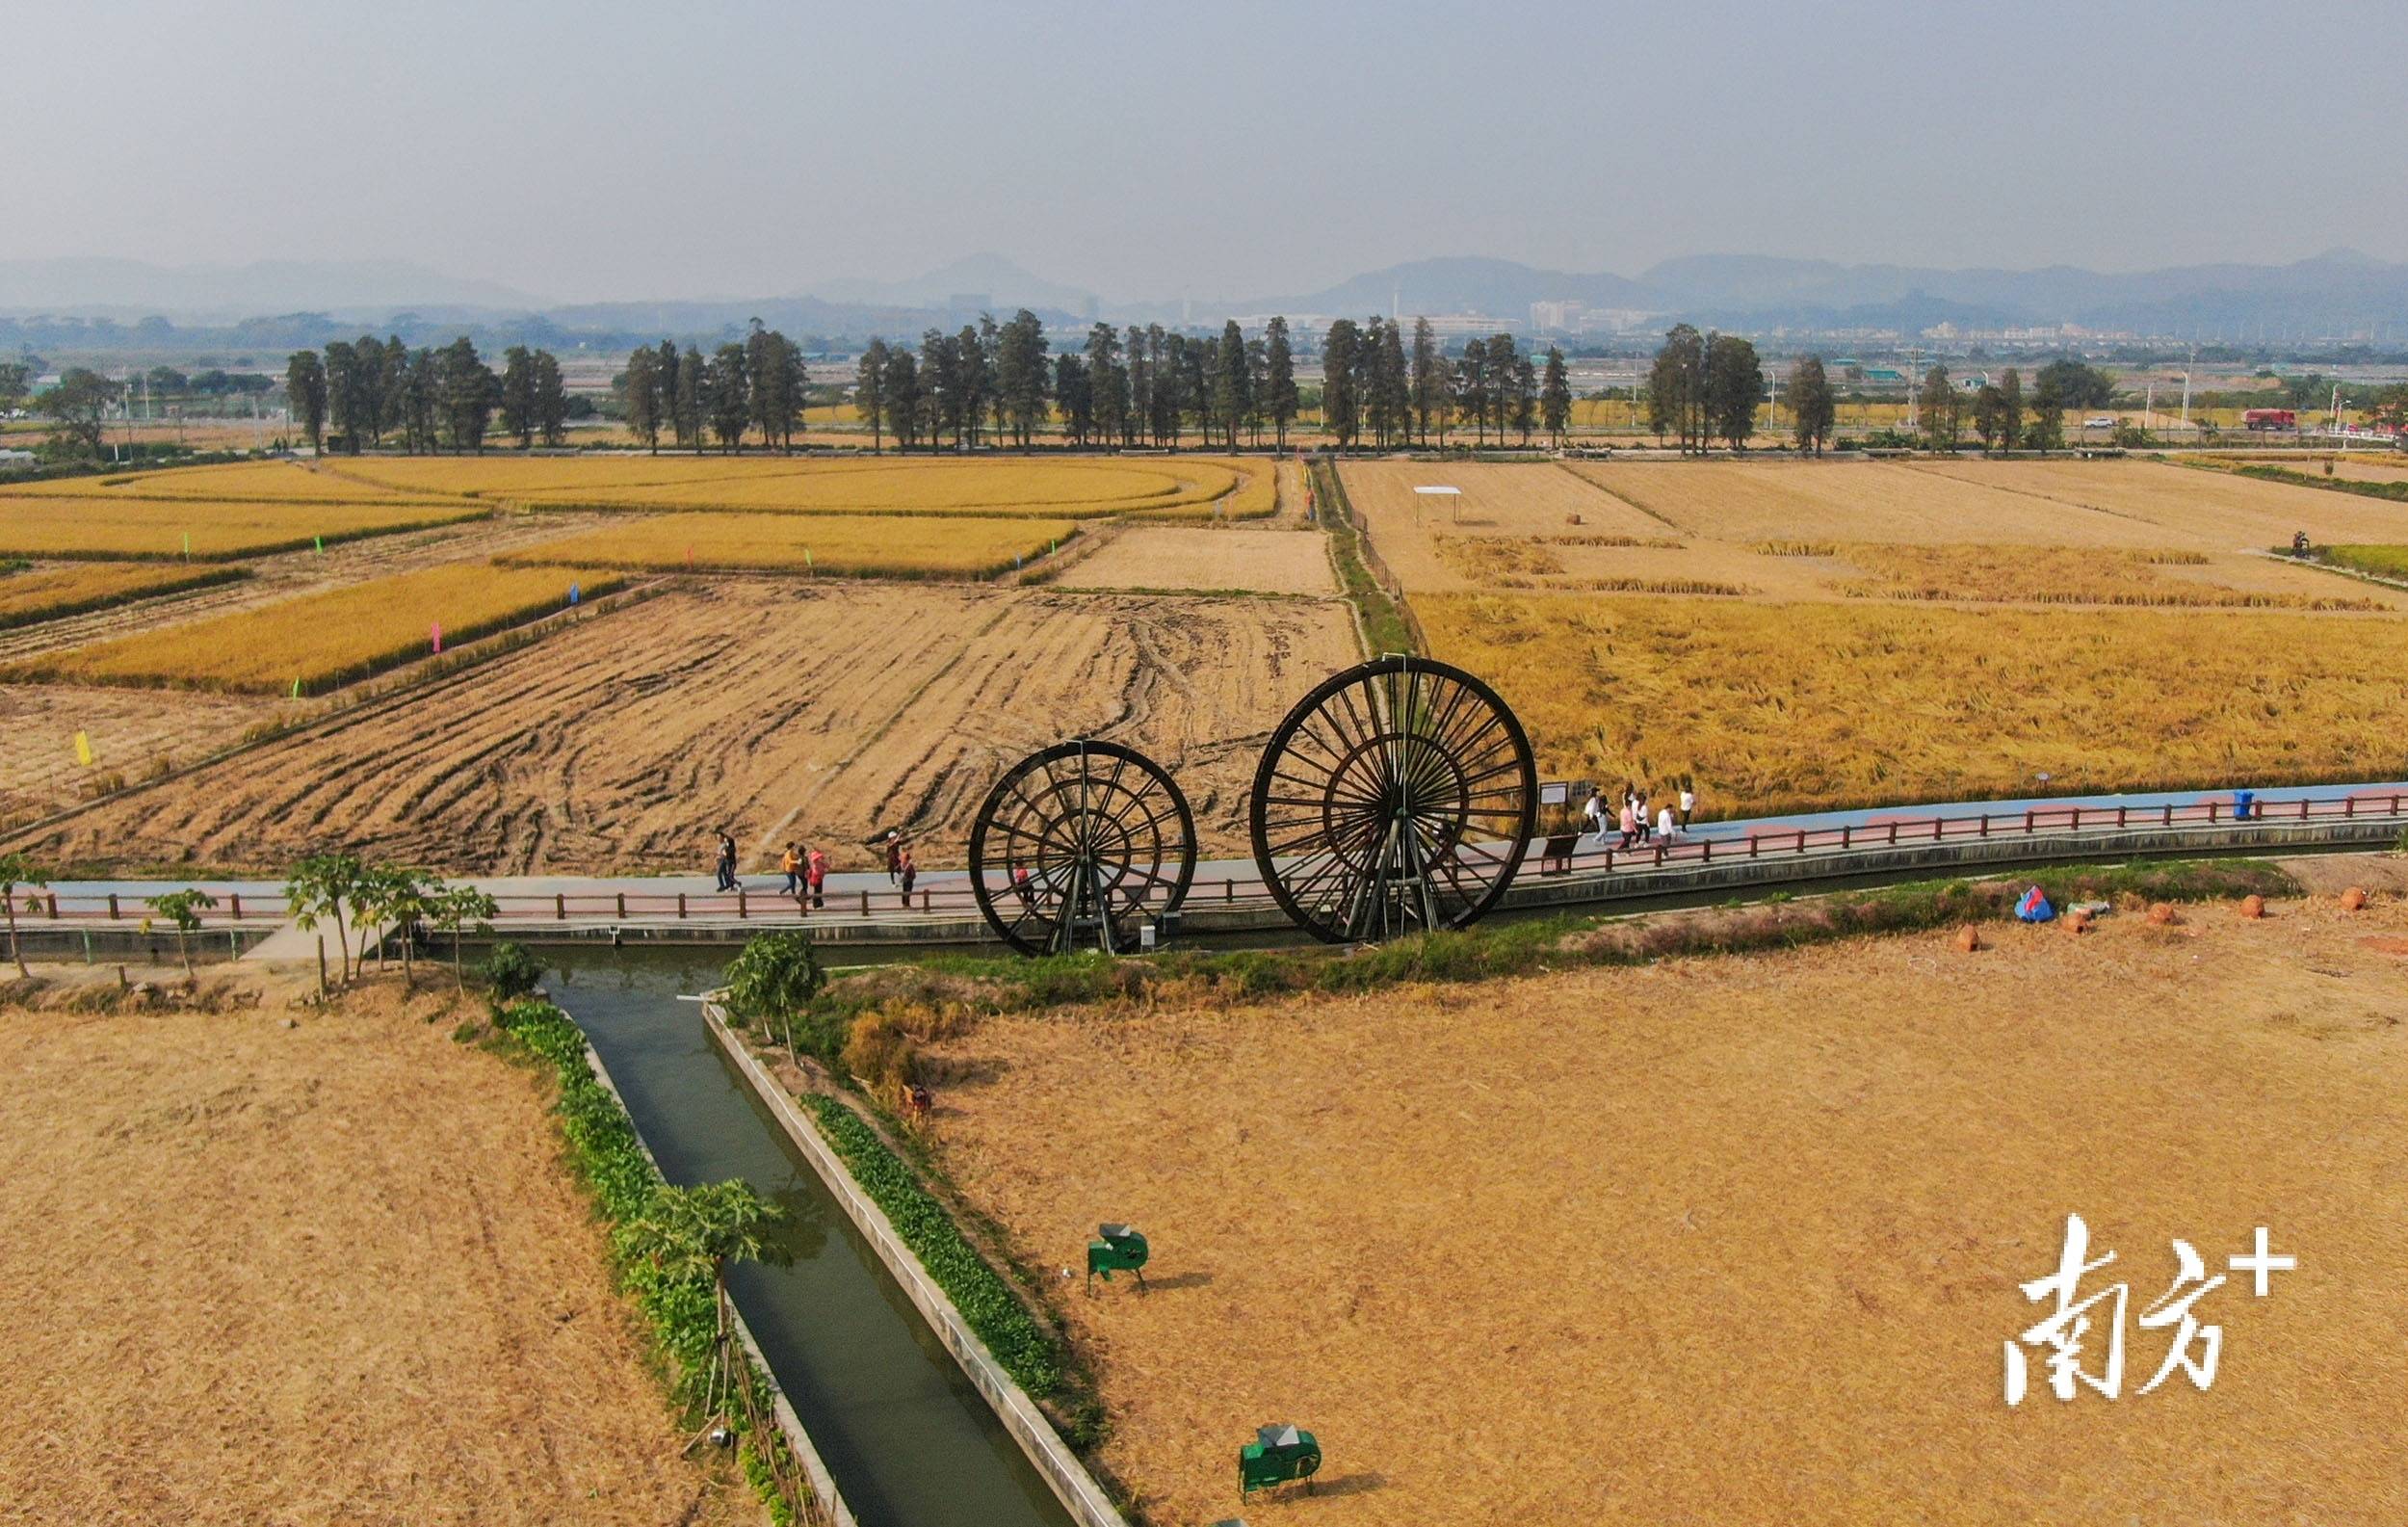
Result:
{"points": [[1579, 859]]}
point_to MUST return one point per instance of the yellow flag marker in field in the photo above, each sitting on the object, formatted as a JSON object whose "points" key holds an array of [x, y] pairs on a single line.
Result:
{"points": [[83, 749]]}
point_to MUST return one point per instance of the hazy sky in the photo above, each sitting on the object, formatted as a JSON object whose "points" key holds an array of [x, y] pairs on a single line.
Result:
{"points": [[683, 147]]}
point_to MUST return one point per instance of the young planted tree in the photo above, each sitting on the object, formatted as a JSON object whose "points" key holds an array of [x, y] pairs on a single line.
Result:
{"points": [[455, 910], [772, 981], [15, 870], [184, 909], [693, 1234], [403, 899], [326, 888]]}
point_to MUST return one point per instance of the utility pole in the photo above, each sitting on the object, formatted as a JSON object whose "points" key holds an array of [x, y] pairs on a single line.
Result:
{"points": [[2192, 361]]}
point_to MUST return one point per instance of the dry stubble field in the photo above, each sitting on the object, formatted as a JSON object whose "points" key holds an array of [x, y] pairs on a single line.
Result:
{"points": [[1737, 1240], [784, 709], [1796, 635], [325, 1274]]}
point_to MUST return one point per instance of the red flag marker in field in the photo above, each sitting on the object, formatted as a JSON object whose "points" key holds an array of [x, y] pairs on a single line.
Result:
{"points": [[438, 636]]}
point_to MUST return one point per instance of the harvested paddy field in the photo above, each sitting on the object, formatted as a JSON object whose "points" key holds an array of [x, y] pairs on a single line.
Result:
{"points": [[1745, 502], [133, 735], [784, 709], [2211, 510], [1780, 707], [1266, 561], [329, 1273], [1738, 1239]]}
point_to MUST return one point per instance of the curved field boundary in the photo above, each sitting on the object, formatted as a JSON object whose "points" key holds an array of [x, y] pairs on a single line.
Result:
{"points": [[80, 526]]}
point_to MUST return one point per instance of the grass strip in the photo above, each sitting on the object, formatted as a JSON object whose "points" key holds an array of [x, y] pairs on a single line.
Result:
{"points": [[681, 1309], [1025, 1350], [2395, 492], [1384, 626]]}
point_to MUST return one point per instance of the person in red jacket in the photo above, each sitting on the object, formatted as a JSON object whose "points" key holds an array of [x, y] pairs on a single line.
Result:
{"points": [[816, 872]]}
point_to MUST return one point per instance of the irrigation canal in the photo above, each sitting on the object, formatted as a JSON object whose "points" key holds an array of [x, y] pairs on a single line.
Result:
{"points": [[910, 1441]]}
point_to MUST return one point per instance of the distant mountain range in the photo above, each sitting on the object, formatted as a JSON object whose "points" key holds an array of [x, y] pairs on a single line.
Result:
{"points": [[2338, 292]]}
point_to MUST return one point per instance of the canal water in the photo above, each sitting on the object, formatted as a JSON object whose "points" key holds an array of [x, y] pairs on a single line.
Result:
{"points": [[910, 1441]]}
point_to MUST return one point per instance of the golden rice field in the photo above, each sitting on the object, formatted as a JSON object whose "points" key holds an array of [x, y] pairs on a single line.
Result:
{"points": [[2060, 575], [892, 486], [1780, 707], [48, 593], [158, 529], [239, 481], [320, 641], [950, 546]]}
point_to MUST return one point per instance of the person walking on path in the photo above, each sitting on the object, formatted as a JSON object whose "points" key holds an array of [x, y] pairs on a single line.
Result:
{"points": [[1630, 820], [1646, 823], [907, 872], [727, 861], [1689, 803], [792, 865], [1595, 812], [893, 856], [1664, 824], [817, 866]]}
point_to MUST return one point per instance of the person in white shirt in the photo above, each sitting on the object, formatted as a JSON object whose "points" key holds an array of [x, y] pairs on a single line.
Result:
{"points": [[1688, 804], [1664, 823], [1595, 811]]}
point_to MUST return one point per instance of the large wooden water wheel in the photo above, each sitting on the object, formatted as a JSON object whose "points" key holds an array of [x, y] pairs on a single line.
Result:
{"points": [[1081, 844], [1399, 795]]}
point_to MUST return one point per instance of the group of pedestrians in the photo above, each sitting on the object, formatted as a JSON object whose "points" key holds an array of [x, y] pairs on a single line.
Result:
{"points": [[1632, 821], [806, 869]]}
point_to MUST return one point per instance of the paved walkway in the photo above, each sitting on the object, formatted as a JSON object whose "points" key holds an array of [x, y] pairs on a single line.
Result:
{"points": [[941, 895]]}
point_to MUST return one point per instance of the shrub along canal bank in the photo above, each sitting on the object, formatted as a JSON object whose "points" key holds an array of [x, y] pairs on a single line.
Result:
{"points": [[907, 1439]]}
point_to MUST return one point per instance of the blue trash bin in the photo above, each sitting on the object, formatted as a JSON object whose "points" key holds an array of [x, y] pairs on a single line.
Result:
{"points": [[2244, 805]]}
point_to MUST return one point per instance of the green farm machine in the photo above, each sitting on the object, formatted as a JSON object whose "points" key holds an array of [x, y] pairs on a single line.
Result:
{"points": [[1120, 1249], [1277, 1456]]}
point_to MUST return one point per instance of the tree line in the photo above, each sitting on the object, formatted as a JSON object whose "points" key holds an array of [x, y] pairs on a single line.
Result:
{"points": [[1374, 386], [1150, 385], [371, 391], [754, 386]]}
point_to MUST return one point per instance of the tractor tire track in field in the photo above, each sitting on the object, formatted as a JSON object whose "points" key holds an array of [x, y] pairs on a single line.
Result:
{"points": [[816, 711]]}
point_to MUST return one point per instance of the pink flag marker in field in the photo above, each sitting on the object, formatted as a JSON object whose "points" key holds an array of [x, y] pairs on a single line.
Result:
{"points": [[438, 636]]}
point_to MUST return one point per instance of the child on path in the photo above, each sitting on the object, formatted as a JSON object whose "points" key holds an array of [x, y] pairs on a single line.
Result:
{"points": [[817, 872]]}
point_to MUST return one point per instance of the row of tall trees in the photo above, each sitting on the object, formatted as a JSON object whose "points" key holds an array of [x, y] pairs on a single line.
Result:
{"points": [[1147, 386], [371, 391], [756, 386], [1374, 386]]}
